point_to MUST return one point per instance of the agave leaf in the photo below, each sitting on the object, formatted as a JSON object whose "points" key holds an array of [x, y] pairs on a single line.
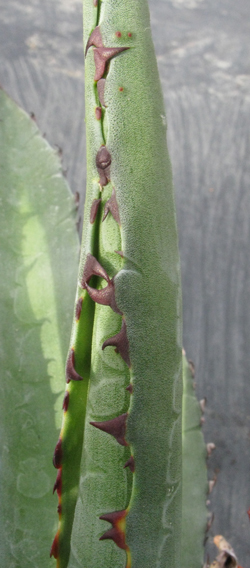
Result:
{"points": [[129, 175], [38, 259]]}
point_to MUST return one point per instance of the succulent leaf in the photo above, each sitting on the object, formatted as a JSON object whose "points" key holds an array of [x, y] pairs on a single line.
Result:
{"points": [[38, 240], [129, 355]]}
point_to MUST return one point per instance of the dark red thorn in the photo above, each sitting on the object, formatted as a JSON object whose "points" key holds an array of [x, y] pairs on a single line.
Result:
{"points": [[92, 268], [57, 457], [94, 39], [71, 374], [112, 206], [248, 512], [120, 341], [116, 427], [105, 296], [98, 113], [100, 90], [117, 534], [130, 388], [118, 34], [55, 547], [94, 209], [101, 56], [119, 252], [66, 401], [104, 176], [121, 89], [129, 34], [95, 2], [78, 309], [103, 161], [59, 509], [114, 517], [130, 463], [103, 158], [58, 484]]}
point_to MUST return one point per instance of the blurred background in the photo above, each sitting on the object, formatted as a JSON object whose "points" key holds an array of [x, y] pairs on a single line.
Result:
{"points": [[203, 53]]}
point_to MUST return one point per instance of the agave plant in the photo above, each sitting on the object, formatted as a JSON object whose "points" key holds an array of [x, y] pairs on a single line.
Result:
{"points": [[130, 458], [119, 454]]}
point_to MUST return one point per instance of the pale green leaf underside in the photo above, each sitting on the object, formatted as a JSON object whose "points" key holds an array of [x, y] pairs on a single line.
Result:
{"points": [[38, 258]]}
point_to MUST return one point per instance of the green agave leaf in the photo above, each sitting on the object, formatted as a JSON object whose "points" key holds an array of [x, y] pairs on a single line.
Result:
{"points": [[130, 362], [38, 258], [194, 476]]}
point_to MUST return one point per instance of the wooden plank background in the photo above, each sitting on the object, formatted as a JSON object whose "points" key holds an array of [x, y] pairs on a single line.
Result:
{"points": [[203, 52]]}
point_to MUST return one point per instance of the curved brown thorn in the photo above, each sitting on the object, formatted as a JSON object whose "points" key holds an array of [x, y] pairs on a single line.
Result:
{"points": [[116, 427], [112, 206], [116, 535], [120, 341], [92, 268], [103, 158], [66, 401], [95, 38], [78, 309], [58, 484], [71, 374], [55, 546], [101, 54], [119, 252], [94, 210], [57, 457], [117, 532], [100, 90], [105, 296], [104, 176], [101, 57], [103, 161], [130, 463], [130, 388], [98, 113]]}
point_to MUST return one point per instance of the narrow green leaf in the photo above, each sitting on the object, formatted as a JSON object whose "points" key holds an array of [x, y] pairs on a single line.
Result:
{"points": [[126, 157], [38, 259]]}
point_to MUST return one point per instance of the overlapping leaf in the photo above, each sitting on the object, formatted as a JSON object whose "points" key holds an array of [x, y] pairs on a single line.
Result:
{"points": [[38, 259]]}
